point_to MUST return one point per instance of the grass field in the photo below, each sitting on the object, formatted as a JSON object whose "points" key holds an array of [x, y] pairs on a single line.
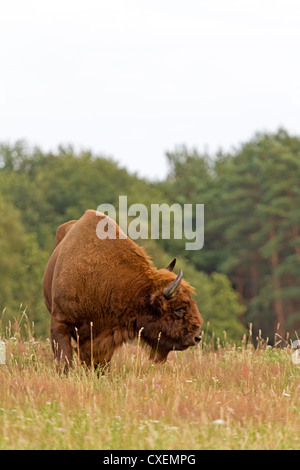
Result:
{"points": [[230, 398]]}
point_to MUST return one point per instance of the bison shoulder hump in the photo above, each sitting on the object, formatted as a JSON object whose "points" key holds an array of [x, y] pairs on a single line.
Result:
{"points": [[63, 230]]}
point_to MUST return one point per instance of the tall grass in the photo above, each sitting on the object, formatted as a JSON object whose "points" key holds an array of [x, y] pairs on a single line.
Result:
{"points": [[229, 397]]}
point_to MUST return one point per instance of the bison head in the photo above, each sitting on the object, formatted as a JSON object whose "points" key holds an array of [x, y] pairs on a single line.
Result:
{"points": [[170, 319]]}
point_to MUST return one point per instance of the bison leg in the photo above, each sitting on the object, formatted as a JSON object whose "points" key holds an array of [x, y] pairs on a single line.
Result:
{"points": [[61, 343], [93, 356]]}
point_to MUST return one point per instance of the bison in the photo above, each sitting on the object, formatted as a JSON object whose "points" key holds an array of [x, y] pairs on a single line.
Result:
{"points": [[102, 293]]}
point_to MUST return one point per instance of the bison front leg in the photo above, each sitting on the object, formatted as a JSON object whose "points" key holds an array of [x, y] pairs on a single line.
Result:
{"points": [[94, 356], [61, 343]]}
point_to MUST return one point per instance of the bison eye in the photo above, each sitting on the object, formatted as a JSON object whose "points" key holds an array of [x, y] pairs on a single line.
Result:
{"points": [[179, 313]]}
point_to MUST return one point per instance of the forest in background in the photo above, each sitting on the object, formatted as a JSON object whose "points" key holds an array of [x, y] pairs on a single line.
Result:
{"points": [[249, 268]]}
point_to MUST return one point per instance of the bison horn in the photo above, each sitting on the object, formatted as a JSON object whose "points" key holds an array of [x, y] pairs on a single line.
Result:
{"points": [[171, 266], [170, 291]]}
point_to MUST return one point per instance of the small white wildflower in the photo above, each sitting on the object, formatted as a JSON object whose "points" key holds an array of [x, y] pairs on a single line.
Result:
{"points": [[61, 430], [218, 421]]}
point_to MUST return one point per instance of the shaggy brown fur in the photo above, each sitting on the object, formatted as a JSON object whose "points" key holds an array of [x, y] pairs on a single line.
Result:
{"points": [[103, 293]]}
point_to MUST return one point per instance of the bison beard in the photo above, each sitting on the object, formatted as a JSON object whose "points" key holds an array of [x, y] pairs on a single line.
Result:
{"points": [[102, 293]]}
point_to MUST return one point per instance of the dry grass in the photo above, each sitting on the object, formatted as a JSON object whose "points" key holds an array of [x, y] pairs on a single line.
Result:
{"points": [[231, 398]]}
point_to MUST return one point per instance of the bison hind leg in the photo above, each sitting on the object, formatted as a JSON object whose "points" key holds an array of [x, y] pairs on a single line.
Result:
{"points": [[61, 344]]}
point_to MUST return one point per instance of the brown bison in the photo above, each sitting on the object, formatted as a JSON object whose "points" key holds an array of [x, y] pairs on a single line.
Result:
{"points": [[104, 292]]}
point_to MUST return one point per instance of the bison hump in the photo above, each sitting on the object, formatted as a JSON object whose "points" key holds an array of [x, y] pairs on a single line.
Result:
{"points": [[63, 230]]}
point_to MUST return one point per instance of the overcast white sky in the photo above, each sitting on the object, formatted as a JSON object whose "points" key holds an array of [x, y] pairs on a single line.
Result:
{"points": [[132, 79]]}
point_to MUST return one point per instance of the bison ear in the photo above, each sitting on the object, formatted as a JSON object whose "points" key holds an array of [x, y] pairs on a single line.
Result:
{"points": [[171, 266], [156, 303], [170, 291]]}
